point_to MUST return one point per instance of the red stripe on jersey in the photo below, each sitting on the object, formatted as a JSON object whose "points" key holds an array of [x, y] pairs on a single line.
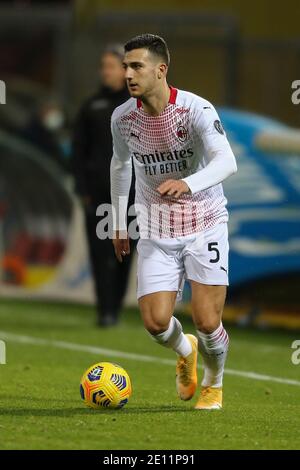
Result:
{"points": [[173, 95]]}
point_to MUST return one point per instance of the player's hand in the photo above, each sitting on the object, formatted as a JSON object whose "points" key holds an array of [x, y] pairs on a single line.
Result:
{"points": [[121, 245], [173, 188]]}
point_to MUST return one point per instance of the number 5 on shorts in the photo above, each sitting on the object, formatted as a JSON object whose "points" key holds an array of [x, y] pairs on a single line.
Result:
{"points": [[212, 247]]}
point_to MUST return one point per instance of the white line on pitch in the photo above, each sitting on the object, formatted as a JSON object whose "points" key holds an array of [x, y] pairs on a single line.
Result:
{"points": [[131, 356]]}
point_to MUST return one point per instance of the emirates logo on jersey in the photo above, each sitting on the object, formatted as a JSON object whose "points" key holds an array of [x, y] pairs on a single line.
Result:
{"points": [[182, 133]]}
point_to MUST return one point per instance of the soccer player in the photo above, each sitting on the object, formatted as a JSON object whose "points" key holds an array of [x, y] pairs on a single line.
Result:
{"points": [[181, 155]]}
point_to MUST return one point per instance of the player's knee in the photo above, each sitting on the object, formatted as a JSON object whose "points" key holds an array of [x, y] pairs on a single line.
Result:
{"points": [[155, 326], [207, 325]]}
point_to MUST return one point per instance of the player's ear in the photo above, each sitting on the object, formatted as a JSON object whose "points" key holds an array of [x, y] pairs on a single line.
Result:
{"points": [[162, 70]]}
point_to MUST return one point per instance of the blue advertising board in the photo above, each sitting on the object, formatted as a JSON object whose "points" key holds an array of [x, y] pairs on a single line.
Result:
{"points": [[263, 200]]}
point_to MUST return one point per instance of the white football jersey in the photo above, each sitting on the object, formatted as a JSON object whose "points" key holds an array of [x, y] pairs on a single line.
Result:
{"points": [[179, 143]]}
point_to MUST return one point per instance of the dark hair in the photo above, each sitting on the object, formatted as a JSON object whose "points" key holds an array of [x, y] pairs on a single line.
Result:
{"points": [[152, 42]]}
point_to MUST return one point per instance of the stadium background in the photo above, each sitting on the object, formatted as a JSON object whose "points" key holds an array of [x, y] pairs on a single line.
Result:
{"points": [[243, 56]]}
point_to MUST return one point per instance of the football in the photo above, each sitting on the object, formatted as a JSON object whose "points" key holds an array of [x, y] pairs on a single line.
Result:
{"points": [[105, 385]]}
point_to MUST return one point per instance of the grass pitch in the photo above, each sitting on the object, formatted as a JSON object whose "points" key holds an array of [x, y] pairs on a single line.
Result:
{"points": [[50, 345]]}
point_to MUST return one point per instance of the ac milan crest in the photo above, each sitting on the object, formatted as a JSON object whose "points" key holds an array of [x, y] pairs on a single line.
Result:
{"points": [[182, 133]]}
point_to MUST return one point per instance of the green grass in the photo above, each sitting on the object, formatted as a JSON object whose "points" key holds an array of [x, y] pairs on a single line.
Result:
{"points": [[40, 405]]}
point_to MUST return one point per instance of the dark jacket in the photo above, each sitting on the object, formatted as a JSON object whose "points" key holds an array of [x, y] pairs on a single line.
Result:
{"points": [[92, 145]]}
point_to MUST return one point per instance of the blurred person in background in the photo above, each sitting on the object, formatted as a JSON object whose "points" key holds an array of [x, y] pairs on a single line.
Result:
{"points": [[91, 157], [44, 128]]}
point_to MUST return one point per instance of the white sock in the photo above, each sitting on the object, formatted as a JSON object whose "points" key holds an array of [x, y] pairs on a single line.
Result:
{"points": [[174, 338], [213, 348]]}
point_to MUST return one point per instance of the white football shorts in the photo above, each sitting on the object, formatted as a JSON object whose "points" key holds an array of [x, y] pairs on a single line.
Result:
{"points": [[164, 264]]}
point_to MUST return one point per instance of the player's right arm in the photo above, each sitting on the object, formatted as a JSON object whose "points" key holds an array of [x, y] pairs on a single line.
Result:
{"points": [[120, 182]]}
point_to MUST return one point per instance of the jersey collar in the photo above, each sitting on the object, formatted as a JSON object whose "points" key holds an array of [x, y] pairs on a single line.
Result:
{"points": [[172, 98]]}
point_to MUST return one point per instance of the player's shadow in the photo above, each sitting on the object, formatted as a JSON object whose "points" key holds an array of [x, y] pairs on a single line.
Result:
{"points": [[156, 409], [71, 411]]}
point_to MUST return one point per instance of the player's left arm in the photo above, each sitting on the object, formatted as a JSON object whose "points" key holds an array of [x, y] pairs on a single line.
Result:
{"points": [[220, 160]]}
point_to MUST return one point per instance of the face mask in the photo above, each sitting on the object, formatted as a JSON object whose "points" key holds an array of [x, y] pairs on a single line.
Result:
{"points": [[53, 120]]}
